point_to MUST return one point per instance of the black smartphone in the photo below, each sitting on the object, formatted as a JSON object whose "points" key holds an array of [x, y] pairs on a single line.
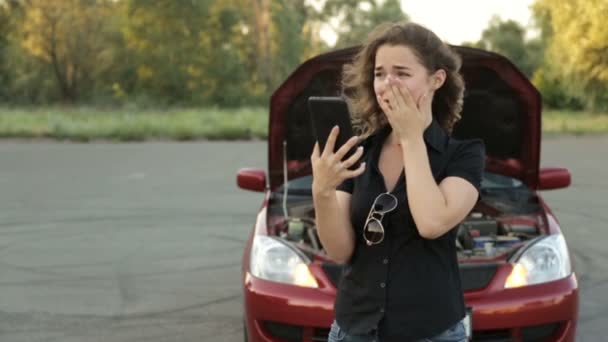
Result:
{"points": [[327, 112]]}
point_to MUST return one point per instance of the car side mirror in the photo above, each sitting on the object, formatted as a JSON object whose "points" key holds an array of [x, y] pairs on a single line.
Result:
{"points": [[551, 178], [251, 179]]}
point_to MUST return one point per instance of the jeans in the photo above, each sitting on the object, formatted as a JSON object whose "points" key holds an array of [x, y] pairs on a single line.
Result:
{"points": [[455, 333]]}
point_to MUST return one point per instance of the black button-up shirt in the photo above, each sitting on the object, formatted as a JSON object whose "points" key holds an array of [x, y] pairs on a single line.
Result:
{"points": [[407, 287]]}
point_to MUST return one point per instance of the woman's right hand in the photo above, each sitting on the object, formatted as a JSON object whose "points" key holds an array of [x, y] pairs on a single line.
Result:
{"points": [[328, 169]]}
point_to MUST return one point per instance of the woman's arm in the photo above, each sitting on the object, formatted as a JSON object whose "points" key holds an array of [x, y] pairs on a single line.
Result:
{"points": [[332, 206], [333, 224], [435, 208]]}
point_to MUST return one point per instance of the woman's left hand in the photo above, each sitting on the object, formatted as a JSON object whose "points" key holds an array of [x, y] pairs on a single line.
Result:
{"points": [[406, 116]]}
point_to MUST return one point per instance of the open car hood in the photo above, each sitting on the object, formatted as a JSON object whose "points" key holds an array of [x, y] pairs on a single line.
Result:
{"points": [[501, 106]]}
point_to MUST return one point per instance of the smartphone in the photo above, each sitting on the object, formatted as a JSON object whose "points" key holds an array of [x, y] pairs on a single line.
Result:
{"points": [[327, 112]]}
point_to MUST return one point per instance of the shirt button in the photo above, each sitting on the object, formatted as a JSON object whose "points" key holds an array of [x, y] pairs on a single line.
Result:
{"points": [[382, 310], [382, 285], [385, 261]]}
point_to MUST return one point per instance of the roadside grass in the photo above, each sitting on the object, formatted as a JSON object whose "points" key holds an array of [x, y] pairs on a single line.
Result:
{"points": [[89, 124], [85, 124], [571, 122]]}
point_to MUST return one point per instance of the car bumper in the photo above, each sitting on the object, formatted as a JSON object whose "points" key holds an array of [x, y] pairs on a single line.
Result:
{"points": [[546, 312], [543, 312], [282, 312]]}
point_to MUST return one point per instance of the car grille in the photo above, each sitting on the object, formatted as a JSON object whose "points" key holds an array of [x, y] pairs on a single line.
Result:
{"points": [[476, 276], [503, 335], [473, 276], [285, 332], [539, 332], [528, 334], [320, 335]]}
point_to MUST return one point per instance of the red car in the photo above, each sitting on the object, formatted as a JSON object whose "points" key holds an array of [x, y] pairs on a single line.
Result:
{"points": [[515, 266]]}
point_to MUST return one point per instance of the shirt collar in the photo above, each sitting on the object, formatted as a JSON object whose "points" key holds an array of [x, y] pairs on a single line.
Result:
{"points": [[434, 135]]}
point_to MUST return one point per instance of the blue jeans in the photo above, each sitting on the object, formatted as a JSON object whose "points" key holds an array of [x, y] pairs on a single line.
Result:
{"points": [[456, 333]]}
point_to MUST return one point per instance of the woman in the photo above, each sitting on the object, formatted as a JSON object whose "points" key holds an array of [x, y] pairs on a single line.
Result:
{"points": [[391, 221]]}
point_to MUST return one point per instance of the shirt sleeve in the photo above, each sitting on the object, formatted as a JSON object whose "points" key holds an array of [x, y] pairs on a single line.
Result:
{"points": [[468, 162], [346, 186]]}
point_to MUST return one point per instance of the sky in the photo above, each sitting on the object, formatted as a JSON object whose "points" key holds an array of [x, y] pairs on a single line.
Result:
{"points": [[458, 21]]}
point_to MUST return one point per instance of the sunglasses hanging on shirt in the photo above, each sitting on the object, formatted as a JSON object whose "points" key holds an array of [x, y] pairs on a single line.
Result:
{"points": [[373, 230]]}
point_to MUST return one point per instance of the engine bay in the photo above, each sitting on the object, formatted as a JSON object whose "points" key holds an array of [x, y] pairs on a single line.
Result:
{"points": [[500, 223]]}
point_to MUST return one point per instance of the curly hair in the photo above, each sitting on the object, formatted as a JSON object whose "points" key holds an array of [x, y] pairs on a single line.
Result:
{"points": [[432, 52]]}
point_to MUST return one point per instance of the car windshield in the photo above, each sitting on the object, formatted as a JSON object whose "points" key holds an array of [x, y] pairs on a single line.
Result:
{"points": [[490, 181]]}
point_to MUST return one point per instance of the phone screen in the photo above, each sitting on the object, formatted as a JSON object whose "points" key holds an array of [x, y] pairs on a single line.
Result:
{"points": [[327, 112]]}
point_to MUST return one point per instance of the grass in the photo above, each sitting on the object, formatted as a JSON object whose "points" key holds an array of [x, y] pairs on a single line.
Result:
{"points": [[561, 121], [87, 124]]}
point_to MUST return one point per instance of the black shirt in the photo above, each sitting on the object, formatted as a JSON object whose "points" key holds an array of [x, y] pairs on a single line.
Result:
{"points": [[407, 287]]}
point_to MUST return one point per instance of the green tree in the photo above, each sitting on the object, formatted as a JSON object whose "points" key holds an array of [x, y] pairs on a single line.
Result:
{"points": [[547, 76], [285, 33], [508, 38], [4, 79], [26, 79], [358, 18], [161, 39], [577, 48], [68, 35], [228, 45], [292, 38], [205, 52]]}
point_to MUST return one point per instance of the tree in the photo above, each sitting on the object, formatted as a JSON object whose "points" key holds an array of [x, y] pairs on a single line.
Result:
{"points": [[292, 38], [69, 36], [285, 33], [227, 53], [25, 78], [162, 40], [230, 65], [578, 46], [9, 12], [508, 38], [547, 77], [203, 52], [358, 18], [4, 19]]}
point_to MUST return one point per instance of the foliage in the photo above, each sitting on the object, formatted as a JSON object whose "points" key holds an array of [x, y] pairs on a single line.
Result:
{"points": [[553, 91], [232, 53], [3, 49], [69, 37], [358, 18], [547, 76], [576, 48], [508, 38]]}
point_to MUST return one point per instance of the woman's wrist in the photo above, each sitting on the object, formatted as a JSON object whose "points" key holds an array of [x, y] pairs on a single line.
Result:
{"points": [[412, 141], [321, 191]]}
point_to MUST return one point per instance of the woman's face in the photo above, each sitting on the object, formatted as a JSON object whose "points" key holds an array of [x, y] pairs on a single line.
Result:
{"points": [[399, 63]]}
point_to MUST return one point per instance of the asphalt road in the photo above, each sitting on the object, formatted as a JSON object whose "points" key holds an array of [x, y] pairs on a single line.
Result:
{"points": [[142, 242]]}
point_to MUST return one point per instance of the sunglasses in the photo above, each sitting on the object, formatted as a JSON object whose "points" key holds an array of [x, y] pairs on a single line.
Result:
{"points": [[373, 230]]}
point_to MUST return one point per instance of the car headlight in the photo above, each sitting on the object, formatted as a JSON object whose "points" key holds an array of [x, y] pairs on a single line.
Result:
{"points": [[274, 260], [545, 260]]}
